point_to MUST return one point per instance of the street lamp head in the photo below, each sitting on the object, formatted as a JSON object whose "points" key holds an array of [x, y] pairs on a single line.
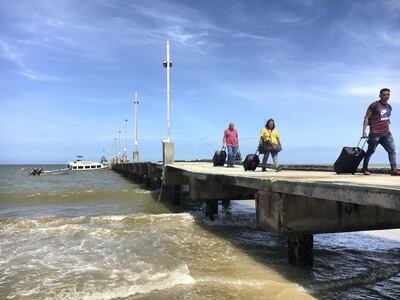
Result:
{"points": [[165, 64]]}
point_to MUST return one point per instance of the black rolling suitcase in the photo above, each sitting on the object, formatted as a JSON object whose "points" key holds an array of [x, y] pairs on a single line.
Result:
{"points": [[349, 159], [219, 158], [251, 162]]}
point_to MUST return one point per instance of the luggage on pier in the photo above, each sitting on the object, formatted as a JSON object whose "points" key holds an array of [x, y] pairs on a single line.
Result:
{"points": [[219, 158], [251, 162], [349, 159]]}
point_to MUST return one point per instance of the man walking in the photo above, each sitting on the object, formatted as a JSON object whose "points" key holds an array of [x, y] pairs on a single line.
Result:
{"points": [[231, 141], [378, 119]]}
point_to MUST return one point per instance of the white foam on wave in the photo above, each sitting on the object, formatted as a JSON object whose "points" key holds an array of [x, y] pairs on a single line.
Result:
{"points": [[223, 219], [186, 217], [110, 218], [92, 225], [139, 191], [253, 283], [34, 195], [165, 280], [256, 283]]}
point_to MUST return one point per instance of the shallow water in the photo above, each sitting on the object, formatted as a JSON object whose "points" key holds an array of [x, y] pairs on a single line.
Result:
{"points": [[96, 235]]}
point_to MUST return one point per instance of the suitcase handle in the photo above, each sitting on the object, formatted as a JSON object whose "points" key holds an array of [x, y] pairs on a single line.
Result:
{"points": [[358, 145]]}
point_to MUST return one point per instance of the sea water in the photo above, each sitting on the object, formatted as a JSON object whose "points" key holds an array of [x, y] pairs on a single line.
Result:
{"points": [[97, 235]]}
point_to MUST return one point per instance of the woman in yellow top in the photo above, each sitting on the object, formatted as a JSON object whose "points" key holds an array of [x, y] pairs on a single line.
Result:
{"points": [[269, 133]]}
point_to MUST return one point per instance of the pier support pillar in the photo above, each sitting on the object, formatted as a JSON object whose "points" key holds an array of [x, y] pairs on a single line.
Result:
{"points": [[226, 203], [211, 209], [168, 152], [176, 200], [300, 249], [135, 156], [147, 181], [170, 193]]}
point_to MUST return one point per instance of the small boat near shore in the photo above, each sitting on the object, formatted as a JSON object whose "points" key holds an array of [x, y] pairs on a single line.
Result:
{"points": [[77, 165], [41, 171], [85, 165]]}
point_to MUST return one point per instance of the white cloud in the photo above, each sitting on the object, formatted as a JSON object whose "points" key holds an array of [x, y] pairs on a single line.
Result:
{"points": [[391, 5], [390, 38], [13, 56], [10, 55], [253, 36], [33, 75]]}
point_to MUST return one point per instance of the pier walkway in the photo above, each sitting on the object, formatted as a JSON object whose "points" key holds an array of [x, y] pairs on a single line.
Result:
{"points": [[297, 203]]}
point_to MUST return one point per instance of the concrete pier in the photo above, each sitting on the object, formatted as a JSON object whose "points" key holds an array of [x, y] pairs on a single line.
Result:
{"points": [[168, 152], [297, 204], [135, 156]]}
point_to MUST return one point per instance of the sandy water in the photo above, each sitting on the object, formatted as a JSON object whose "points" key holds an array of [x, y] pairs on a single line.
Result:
{"points": [[96, 235]]}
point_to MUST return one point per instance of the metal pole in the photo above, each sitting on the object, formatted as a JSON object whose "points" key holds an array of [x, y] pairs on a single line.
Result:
{"points": [[126, 121], [136, 102], [112, 149], [119, 145], [115, 148], [168, 98]]}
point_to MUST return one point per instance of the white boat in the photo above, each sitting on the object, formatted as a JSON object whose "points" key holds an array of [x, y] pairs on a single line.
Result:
{"points": [[85, 165]]}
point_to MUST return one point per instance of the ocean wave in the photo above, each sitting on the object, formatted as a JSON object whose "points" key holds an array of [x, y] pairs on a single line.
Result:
{"points": [[227, 219], [143, 284], [159, 281], [255, 283], [370, 276], [91, 223], [89, 194]]}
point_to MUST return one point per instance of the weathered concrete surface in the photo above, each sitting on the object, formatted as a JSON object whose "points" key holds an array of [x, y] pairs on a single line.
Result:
{"points": [[148, 173], [201, 190], [286, 213], [300, 249], [168, 152], [377, 190], [135, 156]]}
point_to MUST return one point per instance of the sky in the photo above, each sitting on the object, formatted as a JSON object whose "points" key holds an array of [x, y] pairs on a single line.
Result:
{"points": [[69, 70]]}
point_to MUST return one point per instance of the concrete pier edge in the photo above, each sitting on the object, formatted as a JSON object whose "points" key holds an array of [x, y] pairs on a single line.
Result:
{"points": [[293, 205]]}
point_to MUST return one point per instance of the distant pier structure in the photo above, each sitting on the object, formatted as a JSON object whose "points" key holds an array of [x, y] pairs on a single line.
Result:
{"points": [[298, 202]]}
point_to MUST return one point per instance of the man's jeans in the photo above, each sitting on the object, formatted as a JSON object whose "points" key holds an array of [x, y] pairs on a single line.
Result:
{"points": [[232, 153], [387, 142]]}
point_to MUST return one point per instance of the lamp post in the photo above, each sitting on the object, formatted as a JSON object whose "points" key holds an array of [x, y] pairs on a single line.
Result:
{"points": [[124, 159], [168, 146], [168, 65], [112, 151], [136, 149], [115, 149], [119, 146]]}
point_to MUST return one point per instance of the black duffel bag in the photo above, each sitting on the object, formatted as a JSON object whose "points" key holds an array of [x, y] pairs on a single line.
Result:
{"points": [[267, 146]]}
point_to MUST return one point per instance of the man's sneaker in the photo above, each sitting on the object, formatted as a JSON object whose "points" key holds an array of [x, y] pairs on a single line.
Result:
{"points": [[395, 172], [278, 169], [264, 170], [366, 172]]}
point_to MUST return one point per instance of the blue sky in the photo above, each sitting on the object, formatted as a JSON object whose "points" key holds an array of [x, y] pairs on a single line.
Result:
{"points": [[69, 70]]}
